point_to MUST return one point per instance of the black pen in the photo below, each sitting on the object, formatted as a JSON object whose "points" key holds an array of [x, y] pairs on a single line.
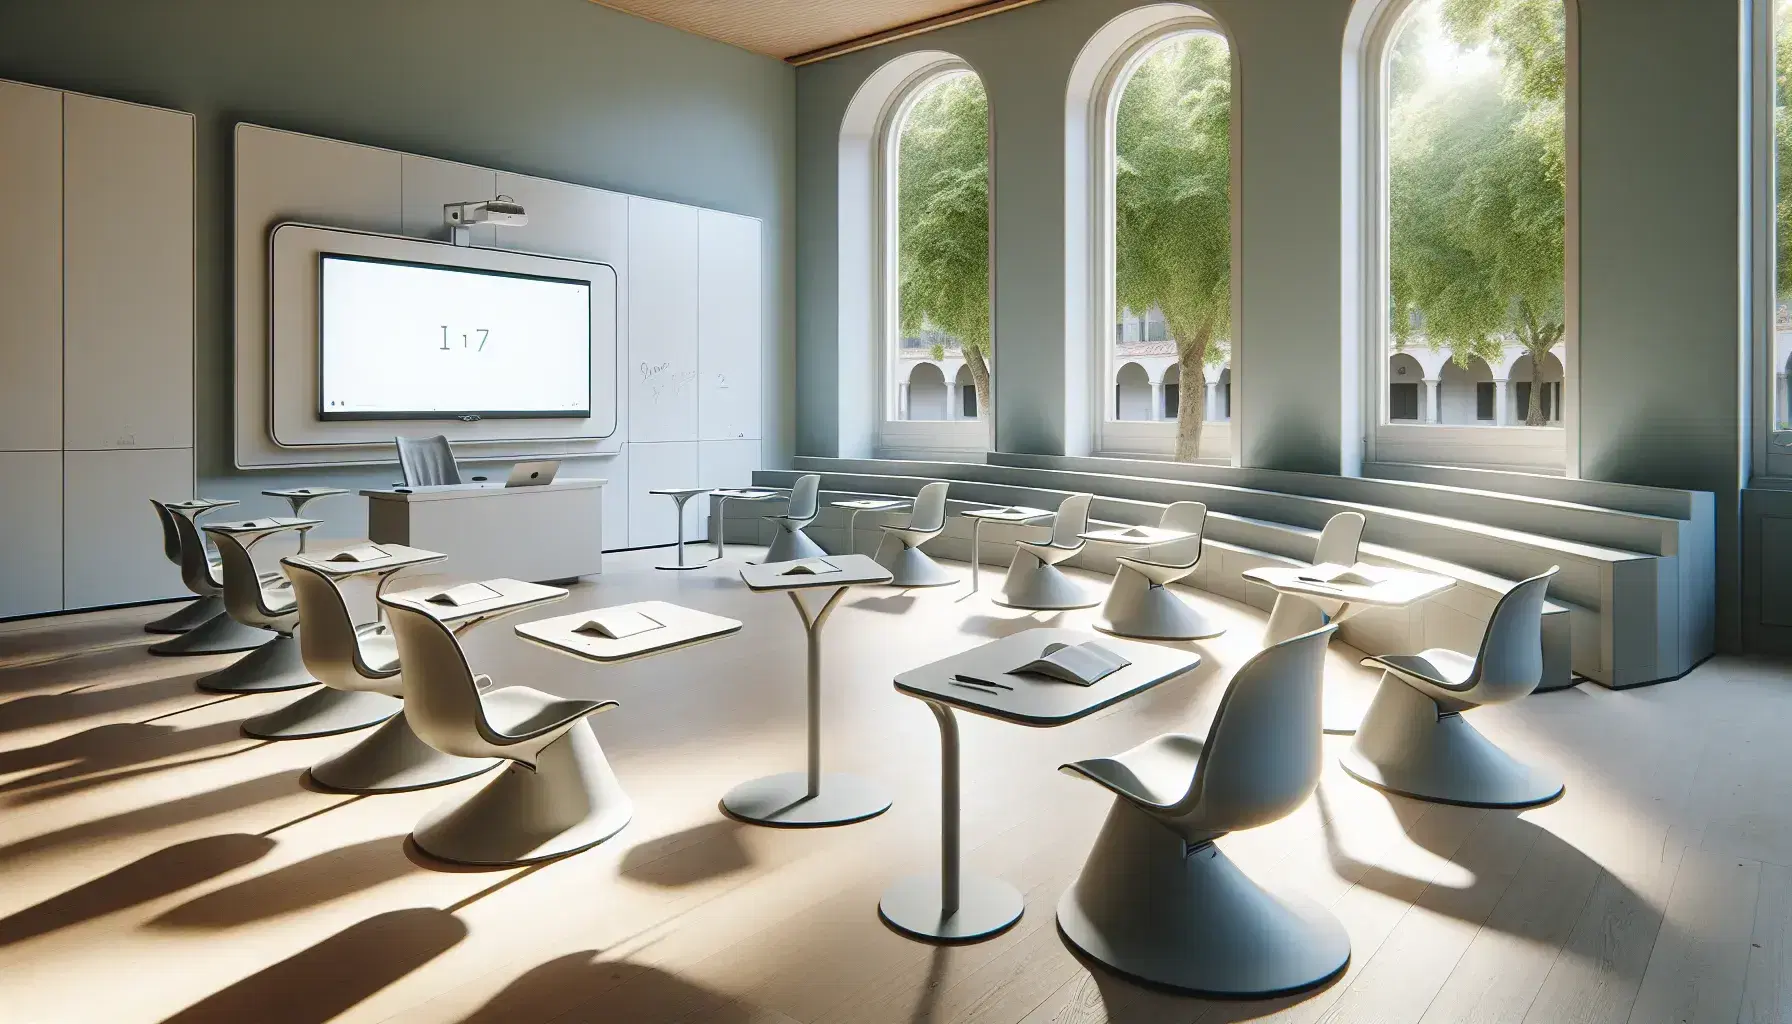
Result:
{"points": [[962, 678]]}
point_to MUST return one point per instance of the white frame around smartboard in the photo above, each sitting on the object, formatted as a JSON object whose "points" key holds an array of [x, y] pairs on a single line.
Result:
{"points": [[294, 323]]}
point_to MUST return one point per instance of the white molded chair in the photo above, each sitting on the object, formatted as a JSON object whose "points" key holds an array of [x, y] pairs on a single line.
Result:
{"points": [[805, 504], [362, 663], [1337, 545], [557, 796], [195, 612], [1157, 900], [222, 633], [427, 461], [260, 601], [1414, 740], [1140, 603], [1034, 580], [906, 561]]}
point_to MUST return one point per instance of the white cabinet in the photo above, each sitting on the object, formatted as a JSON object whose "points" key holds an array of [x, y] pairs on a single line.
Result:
{"points": [[662, 321], [729, 326], [31, 269], [127, 275], [650, 518], [112, 550], [31, 509]]}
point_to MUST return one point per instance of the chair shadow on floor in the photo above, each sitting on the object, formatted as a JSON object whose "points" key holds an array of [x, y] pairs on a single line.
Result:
{"points": [[887, 604], [1105, 996], [36, 710], [696, 854], [995, 626], [65, 670], [169, 813], [331, 977], [151, 877], [331, 875], [607, 990], [110, 753]]}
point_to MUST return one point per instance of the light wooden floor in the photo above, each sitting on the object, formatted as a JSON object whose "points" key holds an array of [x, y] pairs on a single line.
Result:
{"points": [[155, 865]]}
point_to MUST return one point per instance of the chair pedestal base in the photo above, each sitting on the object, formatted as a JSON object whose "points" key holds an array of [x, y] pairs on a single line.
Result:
{"points": [[1033, 585], [275, 665], [570, 802], [1149, 908], [392, 760], [326, 712], [783, 801], [912, 567], [1406, 745], [219, 634], [986, 906], [792, 544], [1139, 609], [187, 617]]}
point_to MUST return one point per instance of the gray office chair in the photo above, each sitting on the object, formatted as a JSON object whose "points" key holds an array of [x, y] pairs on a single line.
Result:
{"points": [[194, 613], [1337, 545], [362, 662], [791, 542], [911, 566], [1140, 603], [1414, 740], [427, 461], [557, 796], [1034, 580], [1157, 900], [222, 633]]}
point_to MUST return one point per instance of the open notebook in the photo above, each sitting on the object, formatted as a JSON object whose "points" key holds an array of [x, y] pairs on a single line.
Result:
{"points": [[1084, 664], [359, 553], [463, 595], [618, 623], [811, 567], [1358, 575]]}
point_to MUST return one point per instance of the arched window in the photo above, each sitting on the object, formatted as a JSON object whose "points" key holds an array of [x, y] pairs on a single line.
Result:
{"points": [[1470, 220], [914, 250], [1151, 103]]}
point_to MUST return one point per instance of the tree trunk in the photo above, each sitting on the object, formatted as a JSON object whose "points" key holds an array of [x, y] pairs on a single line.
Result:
{"points": [[1533, 414], [1191, 393], [980, 381]]}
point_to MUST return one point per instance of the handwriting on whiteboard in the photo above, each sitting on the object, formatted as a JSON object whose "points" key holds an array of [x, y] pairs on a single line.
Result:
{"points": [[661, 378]]}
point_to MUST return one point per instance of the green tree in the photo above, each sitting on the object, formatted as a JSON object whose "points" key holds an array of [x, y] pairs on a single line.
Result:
{"points": [[942, 221], [1173, 208], [1782, 138], [1476, 181]]}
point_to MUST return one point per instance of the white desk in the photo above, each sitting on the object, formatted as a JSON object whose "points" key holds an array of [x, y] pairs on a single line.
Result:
{"points": [[299, 497], [950, 906], [679, 496], [858, 505], [1000, 514], [509, 597], [550, 532], [735, 494], [679, 627], [1302, 605], [396, 557]]}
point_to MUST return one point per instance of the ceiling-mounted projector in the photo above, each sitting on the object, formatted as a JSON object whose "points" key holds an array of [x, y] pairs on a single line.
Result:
{"points": [[501, 211]]}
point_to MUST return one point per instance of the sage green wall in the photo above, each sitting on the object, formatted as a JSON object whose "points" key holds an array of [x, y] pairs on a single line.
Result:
{"points": [[1659, 333], [563, 89]]}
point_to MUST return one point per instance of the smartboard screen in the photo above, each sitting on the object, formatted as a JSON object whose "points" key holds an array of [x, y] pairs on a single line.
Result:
{"points": [[402, 340]]}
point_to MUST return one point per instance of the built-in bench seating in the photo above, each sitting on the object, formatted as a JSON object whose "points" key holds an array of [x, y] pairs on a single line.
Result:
{"points": [[1636, 614]]}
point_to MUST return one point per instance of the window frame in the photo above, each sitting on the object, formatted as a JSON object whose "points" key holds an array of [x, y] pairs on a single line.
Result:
{"points": [[1547, 449], [1156, 438], [894, 437], [1771, 448]]}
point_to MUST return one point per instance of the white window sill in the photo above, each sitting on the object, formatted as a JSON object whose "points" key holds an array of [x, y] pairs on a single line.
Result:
{"points": [[1516, 446]]}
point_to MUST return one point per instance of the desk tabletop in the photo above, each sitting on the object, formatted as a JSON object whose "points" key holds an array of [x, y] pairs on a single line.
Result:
{"points": [[679, 627], [1138, 536], [305, 492], [677, 492], [846, 571], [270, 524], [489, 489], [872, 504], [388, 558], [1397, 588], [1008, 513], [198, 504], [512, 596], [1040, 701], [747, 493]]}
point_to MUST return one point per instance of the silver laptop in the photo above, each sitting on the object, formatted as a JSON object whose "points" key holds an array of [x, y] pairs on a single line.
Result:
{"points": [[532, 474]]}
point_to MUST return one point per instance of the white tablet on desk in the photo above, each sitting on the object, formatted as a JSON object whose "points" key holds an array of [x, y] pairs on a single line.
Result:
{"points": [[532, 474]]}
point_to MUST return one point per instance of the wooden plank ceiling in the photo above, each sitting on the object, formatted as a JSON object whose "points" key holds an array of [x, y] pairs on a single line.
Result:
{"points": [[803, 31]]}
